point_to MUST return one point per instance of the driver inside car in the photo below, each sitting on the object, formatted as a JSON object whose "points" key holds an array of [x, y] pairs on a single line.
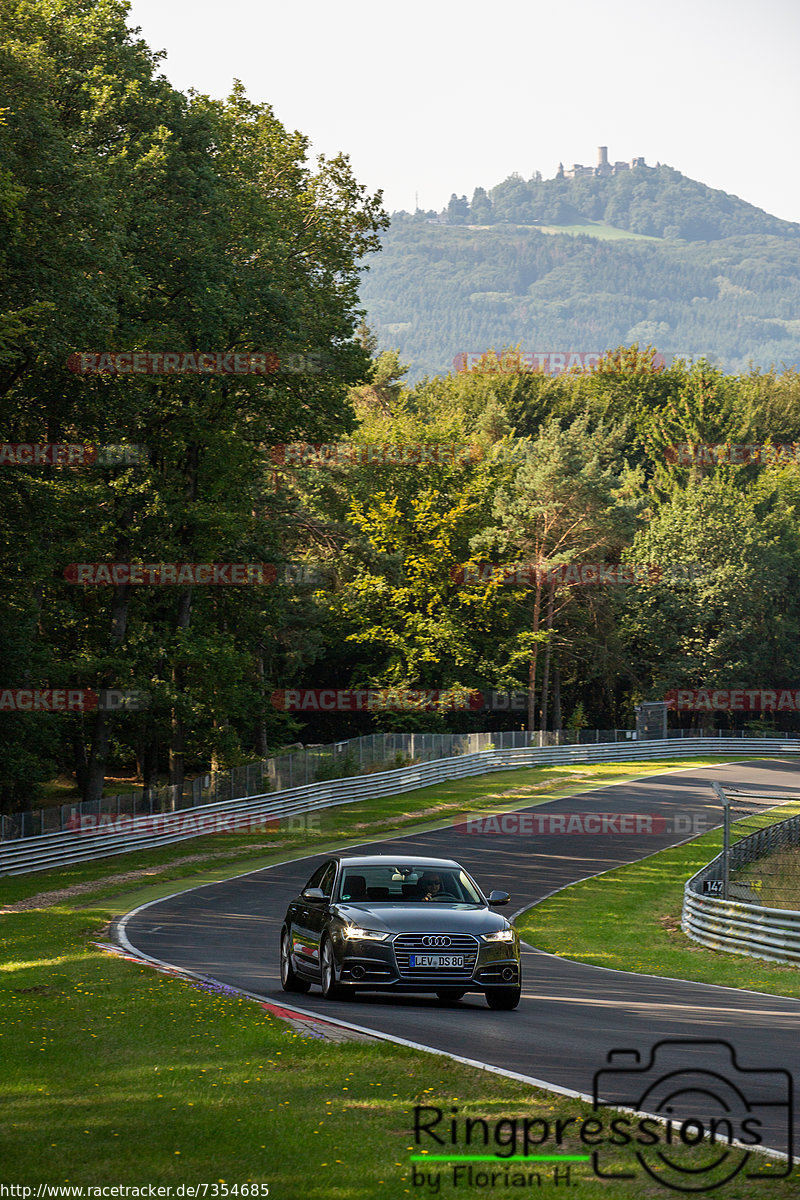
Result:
{"points": [[430, 885]]}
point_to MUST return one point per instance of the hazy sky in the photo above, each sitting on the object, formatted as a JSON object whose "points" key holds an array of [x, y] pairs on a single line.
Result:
{"points": [[436, 97]]}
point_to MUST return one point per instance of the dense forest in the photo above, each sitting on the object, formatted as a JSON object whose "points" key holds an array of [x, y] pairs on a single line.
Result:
{"points": [[651, 201], [148, 225], [646, 256]]}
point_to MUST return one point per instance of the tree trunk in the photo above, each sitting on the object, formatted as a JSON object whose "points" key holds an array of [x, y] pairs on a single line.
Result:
{"points": [[556, 698], [95, 768], [532, 669], [147, 760], [547, 654], [261, 724], [177, 750]]}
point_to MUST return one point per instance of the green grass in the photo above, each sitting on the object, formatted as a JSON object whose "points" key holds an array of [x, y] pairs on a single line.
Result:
{"points": [[596, 229], [606, 233], [113, 1073], [774, 880], [222, 855], [629, 919]]}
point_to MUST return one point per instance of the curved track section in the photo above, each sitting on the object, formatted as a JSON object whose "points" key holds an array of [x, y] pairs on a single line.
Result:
{"points": [[571, 1015]]}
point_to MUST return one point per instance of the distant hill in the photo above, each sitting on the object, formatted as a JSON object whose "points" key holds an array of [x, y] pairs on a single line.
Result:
{"points": [[588, 264], [654, 201]]}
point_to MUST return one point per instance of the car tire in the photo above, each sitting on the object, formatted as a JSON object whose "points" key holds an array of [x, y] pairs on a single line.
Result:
{"points": [[450, 995], [290, 980], [503, 999], [330, 988]]}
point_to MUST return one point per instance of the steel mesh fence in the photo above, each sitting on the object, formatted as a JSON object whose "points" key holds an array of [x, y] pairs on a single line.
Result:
{"points": [[306, 765]]}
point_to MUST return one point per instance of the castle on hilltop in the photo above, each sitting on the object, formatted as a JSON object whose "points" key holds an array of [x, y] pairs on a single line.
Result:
{"points": [[604, 167]]}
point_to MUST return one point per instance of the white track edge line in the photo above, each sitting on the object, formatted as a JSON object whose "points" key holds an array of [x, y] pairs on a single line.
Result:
{"points": [[119, 929], [395, 1040], [434, 829]]}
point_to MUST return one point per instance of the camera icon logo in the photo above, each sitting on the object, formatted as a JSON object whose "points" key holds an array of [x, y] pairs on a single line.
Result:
{"points": [[705, 1101]]}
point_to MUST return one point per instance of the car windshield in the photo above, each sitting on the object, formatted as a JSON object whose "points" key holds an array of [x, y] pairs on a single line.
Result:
{"points": [[399, 884]]}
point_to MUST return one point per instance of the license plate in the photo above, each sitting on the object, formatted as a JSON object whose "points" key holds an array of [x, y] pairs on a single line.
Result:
{"points": [[437, 960]]}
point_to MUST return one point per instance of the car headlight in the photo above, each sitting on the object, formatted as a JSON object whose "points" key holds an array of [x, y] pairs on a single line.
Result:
{"points": [[366, 935], [500, 935]]}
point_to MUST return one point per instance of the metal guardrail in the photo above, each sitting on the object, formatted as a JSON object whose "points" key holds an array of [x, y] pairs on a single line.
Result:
{"points": [[146, 832], [736, 926], [302, 765]]}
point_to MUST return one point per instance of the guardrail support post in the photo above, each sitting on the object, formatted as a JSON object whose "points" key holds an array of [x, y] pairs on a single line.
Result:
{"points": [[726, 839]]}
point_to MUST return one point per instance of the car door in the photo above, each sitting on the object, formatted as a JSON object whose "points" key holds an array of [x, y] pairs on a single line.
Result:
{"points": [[306, 920], [318, 911]]}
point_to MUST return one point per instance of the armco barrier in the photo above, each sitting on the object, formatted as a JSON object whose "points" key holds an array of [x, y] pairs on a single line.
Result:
{"points": [[303, 765], [735, 925], [79, 845]]}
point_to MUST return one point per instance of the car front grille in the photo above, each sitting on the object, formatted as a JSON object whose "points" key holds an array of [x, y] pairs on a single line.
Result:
{"points": [[406, 944]]}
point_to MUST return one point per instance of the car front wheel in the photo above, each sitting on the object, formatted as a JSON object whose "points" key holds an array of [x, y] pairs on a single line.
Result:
{"points": [[503, 999], [330, 988], [290, 980]]}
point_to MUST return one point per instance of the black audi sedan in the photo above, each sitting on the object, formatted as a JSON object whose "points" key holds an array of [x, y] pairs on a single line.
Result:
{"points": [[393, 923]]}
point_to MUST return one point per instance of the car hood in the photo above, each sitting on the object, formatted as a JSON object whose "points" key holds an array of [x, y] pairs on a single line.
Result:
{"points": [[430, 916]]}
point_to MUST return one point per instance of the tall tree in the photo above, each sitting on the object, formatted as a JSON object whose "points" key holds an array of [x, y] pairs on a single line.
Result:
{"points": [[567, 502]]}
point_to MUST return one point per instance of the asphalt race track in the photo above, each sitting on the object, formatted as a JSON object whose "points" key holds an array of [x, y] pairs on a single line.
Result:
{"points": [[571, 1015]]}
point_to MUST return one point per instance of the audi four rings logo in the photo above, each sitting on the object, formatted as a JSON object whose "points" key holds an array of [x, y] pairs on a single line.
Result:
{"points": [[432, 940]]}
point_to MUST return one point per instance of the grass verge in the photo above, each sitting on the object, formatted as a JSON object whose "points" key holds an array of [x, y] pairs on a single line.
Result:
{"points": [[217, 857], [630, 918], [116, 1074]]}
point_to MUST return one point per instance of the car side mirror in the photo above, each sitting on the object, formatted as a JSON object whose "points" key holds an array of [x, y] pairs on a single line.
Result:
{"points": [[497, 897], [314, 894]]}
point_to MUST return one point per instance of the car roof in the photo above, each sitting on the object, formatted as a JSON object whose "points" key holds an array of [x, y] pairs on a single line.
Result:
{"points": [[377, 860]]}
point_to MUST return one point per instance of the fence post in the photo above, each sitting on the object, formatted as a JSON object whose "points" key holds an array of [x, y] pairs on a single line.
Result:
{"points": [[726, 838]]}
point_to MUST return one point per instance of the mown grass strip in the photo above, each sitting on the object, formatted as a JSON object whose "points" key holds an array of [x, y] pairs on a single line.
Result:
{"points": [[630, 917], [113, 1073], [219, 856]]}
